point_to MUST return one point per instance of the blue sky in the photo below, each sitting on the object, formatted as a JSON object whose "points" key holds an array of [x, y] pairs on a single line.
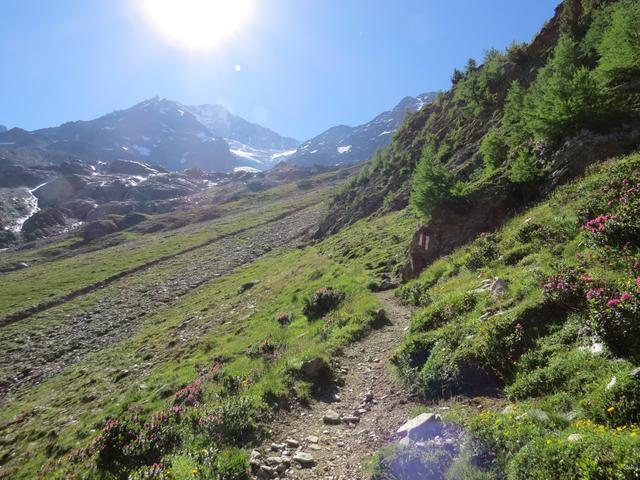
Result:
{"points": [[306, 65]]}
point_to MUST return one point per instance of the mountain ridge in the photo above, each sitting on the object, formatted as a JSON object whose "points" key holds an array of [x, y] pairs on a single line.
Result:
{"points": [[344, 144]]}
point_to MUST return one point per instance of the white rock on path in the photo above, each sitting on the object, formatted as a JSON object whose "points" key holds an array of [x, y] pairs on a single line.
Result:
{"points": [[303, 458], [331, 417], [425, 425]]}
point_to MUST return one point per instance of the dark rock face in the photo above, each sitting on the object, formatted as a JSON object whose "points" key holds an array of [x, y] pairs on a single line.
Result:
{"points": [[586, 148], [7, 238], [456, 222], [45, 223], [60, 190], [98, 229], [13, 176], [162, 188], [129, 167]]}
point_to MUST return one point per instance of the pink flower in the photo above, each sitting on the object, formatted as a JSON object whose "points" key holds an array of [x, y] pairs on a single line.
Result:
{"points": [[594, 293], [638, 281], [518, 326], [613, 302], [625, 296], [586, 278]]}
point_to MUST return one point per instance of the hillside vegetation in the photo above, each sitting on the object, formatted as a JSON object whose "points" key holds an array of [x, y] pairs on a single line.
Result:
{"points": [[539, 319], [519, 124]]}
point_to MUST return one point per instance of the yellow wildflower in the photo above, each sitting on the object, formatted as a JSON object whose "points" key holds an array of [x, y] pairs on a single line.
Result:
{"points": [[611, 409]]}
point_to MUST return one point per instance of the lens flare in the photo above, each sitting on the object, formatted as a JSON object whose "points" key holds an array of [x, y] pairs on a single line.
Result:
{"points": [[198, 24]]}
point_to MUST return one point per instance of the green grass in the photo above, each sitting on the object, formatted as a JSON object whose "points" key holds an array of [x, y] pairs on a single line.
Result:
{"points": [[213, 323], [532, 343], [47, 279]]}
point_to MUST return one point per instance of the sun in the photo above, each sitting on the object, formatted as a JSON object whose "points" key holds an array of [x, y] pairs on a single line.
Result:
{"points": [[198, 24]]}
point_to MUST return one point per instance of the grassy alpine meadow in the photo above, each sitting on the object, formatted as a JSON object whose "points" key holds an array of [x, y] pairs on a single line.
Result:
{"points": [[195, 385], [541, 318], [49, 276]]}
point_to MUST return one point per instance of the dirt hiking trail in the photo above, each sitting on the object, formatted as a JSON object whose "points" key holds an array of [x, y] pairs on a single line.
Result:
{"points": [[375, 401]]}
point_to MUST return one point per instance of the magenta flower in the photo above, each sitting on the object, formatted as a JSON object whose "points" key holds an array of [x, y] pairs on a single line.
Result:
{"points": [[625, 296], [594, 293], [638, 281], [613, 302]]}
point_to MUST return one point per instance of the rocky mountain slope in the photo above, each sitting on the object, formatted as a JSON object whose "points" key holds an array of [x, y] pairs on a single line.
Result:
{"points": [[156, 131], [342, 144]]}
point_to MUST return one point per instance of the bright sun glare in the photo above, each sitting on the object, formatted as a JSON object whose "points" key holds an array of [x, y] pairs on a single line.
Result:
{"points": [[198, 24]]}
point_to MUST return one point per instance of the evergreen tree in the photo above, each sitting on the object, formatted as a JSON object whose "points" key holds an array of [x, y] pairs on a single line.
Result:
{"points": [[432, 181], [620, 46]]}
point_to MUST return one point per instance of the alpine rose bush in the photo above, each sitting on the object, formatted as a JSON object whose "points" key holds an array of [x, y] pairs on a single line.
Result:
{"points": [[615, 315]]}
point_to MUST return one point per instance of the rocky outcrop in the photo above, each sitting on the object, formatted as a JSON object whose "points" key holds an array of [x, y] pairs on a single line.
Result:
{"points": [[97, 229], [60, 190], [162, 187], [14, 176], [129, 167], [45, 223], [456, 222]]}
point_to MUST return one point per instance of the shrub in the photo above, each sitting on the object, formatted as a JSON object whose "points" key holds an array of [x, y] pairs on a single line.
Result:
{"points": [[123, 444], [526, 168], [322, 302], [482, 251], [614, 316], [597, 454], [619, 225], [284, 318], [567, 287], [432, 182], [620, 46], [494, 149], [238, 421], [615, 399]]}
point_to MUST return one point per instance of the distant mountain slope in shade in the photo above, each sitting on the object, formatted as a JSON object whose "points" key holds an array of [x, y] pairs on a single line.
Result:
{"points": [[343, 144], [156, 131], [176, 137], [3, 129]]}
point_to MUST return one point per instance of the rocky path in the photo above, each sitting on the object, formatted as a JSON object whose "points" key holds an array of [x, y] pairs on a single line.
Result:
{"points": [[331, 439], [40, 346]]}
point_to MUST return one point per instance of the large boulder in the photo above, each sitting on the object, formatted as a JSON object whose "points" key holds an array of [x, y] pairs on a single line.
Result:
{"points": [[425, 425], [80, 208], [45, 223], [105, 189], [59, 190], [110, 208], [98, 229]]}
